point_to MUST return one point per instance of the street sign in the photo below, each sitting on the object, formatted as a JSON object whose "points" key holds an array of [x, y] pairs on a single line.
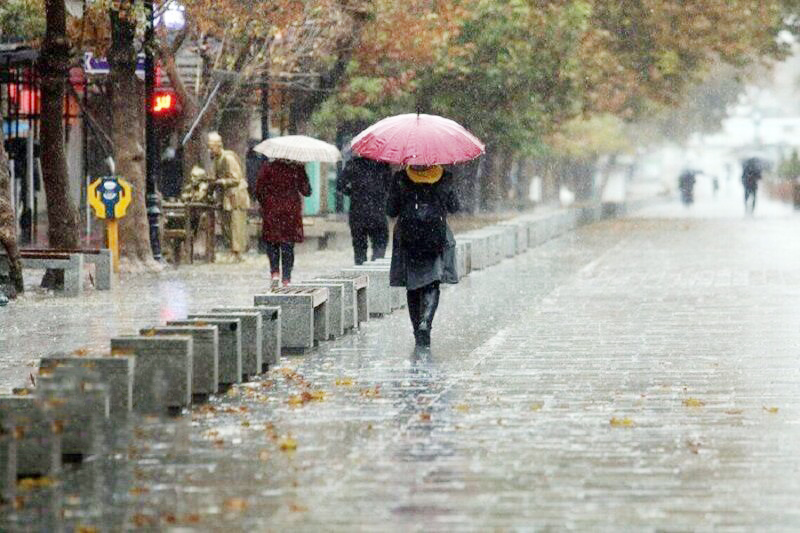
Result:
{"points": [[110, 197], [100, 65]]}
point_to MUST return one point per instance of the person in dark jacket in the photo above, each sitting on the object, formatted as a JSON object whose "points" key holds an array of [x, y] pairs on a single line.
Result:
{"points": [[279, 187], [422, 259], [366, 182], [751, 174]]}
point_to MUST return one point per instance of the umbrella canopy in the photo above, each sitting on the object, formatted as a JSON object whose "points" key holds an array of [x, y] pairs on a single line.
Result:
{"points": [[298, 148], [417, 139]]}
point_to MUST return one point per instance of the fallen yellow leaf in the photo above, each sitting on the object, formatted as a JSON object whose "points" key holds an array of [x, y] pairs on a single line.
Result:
{"points": [[621, 422], [344, 382], [693, 402], [771, 410], [462, 407], [536, 406], [235, 505], [30, 483], [287, 444]]}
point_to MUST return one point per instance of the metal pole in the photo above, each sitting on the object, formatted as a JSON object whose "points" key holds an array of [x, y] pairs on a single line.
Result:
{"points": [[151, 137], [30, 177], [265, 101]]}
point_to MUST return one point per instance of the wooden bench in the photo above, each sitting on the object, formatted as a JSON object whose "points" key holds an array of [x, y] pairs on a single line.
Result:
{"points": [[70, 263], [99, 257]]}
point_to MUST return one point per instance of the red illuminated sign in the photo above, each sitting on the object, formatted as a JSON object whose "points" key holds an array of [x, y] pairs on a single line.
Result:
{"points": [[163, 103]]}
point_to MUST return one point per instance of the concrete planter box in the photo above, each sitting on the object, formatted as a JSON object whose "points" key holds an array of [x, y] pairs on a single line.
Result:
{"points": [[270, 331], [116, 371], [304, 315], [79, 402], [205, 354], [379, 295], [336, 304], [163, 372], [252, 336], [37, 444], [356, 301], [229, 336]]}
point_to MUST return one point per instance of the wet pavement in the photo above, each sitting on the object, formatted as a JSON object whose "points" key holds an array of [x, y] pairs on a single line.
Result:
{"points": [[639, 374]]}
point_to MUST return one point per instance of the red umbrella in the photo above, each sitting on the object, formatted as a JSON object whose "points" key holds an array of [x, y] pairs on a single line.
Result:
{"points": [[417, 139]]}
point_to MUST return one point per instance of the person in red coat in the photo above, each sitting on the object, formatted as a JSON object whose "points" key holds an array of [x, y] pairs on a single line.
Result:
{"points": [[278, 189]]}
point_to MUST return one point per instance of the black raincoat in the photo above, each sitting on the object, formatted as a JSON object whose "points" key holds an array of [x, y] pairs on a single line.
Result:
{"points": [[413, 269], [366, 182]]}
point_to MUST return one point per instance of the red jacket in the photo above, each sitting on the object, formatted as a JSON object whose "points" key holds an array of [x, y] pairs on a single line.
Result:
{"points": [[278, 190]]}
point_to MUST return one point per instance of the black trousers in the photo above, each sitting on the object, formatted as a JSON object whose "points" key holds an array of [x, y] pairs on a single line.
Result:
{"points": [[750, 199], [280, 255], [422, 306], [363, 232]]}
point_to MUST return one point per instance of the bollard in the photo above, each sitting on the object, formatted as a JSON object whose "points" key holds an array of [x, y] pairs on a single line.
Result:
{"points": [[379, 295], [37, 440], [336, 305], [163, 376], [116, 371], [304, 316], [250, 327], [356, 299], [205, 355], [270, 331], [79, 402], [229, 362]]}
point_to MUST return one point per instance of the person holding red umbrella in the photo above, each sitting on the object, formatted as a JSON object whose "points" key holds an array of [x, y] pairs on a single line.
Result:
{"points": [[420, 197], [423, 247]]}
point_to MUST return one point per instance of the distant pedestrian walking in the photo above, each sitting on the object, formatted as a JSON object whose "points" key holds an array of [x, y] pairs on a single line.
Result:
{"points": [[366, 182], [686, 182], [423, 247], [751, 173], [278, 190]]}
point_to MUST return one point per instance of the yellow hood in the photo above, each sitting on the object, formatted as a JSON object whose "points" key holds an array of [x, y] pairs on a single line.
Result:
{"points": [[431, 175]]}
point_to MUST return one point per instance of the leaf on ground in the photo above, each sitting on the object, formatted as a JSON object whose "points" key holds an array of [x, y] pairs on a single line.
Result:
{"points": [[81, 352], [287, 444], [734, 411], [136, 491], [235, 505], [771, 410], [693, 402], [694, 447], [143, 520], [31, 483], [117, 352], [149, 333], [86, 529], [344, 382], [263, 455], [621, 422], [297, 508], [425, 417], [462, 408], [537, 406], [371, 392]]}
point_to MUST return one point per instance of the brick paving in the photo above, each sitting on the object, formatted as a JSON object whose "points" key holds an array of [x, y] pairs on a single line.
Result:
{"points": [[635, 375]]}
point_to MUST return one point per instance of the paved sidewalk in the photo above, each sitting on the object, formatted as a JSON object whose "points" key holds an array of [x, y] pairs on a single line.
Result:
{"points": [[640, 374]]}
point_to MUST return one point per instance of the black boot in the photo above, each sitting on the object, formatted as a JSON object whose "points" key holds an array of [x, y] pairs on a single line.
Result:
{"points": [[413, 299], [429, 301]]}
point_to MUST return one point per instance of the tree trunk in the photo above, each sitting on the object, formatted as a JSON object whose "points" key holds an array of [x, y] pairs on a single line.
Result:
{"points": [[63, 226], [127, 106], [8, 226]]}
